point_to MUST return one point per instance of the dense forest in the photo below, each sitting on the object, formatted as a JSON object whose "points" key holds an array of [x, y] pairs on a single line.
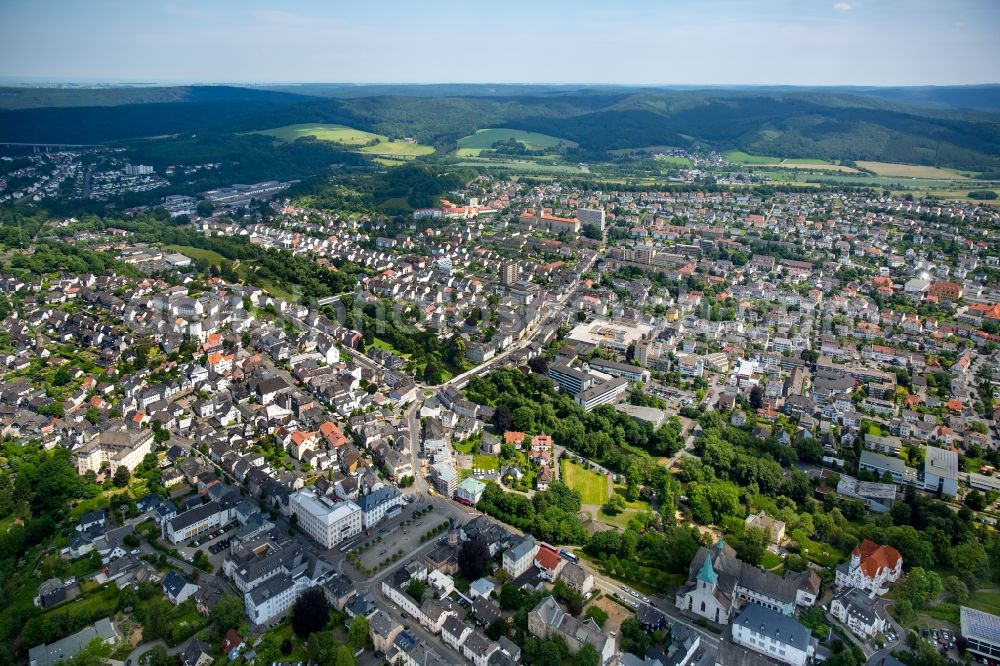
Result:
{"points": [[903, 126]]}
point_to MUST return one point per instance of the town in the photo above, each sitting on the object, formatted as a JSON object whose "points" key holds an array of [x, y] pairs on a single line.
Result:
{"points": [[536, 423]]}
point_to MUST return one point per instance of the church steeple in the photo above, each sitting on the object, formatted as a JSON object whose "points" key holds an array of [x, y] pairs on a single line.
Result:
{"points": [[707, 573]]}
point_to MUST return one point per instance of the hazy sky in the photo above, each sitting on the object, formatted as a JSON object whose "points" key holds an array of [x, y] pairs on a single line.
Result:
{"points": [[863, 42]]}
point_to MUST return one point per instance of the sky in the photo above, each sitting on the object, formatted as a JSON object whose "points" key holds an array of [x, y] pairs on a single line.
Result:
{"points": [[656, 42]]}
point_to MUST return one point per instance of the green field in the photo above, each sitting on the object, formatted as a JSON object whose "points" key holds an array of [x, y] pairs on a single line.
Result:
{"points": [[208, 257], [593, 486], [674, 160], [522, 165], [988, 602], [349, 136], [469, 146], [486, 462], [739, 157]]}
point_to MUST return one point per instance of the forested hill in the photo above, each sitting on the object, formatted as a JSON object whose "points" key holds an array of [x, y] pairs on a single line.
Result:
{"points": [[957, 127]]}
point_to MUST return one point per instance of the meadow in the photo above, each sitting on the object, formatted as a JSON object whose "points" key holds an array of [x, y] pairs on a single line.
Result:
{"points": [[469, 146], [351, 137], [593, 486], [909, 170]]}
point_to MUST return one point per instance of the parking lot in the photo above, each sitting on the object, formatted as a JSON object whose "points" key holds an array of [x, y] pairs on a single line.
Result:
{"points": [[214, 544], [394, 537]]}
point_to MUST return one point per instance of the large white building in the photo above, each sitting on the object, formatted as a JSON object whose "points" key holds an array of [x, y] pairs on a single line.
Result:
{"points": [[270, 599], [197, 521], [872, 568], [327, 521], [855, 610], [591, 217], [982, 633], [773, 634], [114, 449], [941, 471]]}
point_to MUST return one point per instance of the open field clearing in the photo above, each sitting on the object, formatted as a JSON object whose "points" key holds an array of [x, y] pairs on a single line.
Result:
{"points": [[813, 164], [523, 165], [349, 136], [345, 136], [909, 170], [593, 486], [739, 157], [469, 146]]}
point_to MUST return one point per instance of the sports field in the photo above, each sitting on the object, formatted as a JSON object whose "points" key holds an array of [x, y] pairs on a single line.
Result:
{"points": [[350, 136], [469, 146], [593, 486]]}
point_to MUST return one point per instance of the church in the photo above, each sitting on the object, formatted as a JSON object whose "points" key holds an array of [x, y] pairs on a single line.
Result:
{"points": [[719, 584]]}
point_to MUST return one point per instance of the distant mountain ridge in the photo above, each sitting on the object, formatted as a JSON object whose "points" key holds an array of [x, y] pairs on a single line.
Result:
{"points": [[945, 126]]}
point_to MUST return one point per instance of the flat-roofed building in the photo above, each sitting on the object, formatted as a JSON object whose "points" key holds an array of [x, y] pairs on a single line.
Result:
{"points": [[601, 394], [981, 632], [327, 521], [941, 471], [570, 379]]}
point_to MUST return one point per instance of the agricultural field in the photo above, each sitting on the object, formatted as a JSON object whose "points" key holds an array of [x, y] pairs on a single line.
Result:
{"points": [[674, 160], [822, 165], [469, 146], [910, 170], [527, 166], [593, 486], [739, 157], [350, 136]]}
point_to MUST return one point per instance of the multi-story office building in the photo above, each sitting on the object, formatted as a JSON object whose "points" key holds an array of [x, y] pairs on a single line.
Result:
{"points": [[591, 217], [327, 521]]}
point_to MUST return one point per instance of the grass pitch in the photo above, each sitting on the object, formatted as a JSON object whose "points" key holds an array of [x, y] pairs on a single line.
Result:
{"points": [[593, 486]]}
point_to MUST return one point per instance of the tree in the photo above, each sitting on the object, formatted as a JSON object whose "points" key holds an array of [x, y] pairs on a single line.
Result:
{"points": [[975, 500], [756, 397], [344, 657], [956, 590], [502, 419], [539, 364], [472, 558], [122, 475], [205, 208], [616, 504], [523, 419], [310, 613], [587, 656], [227, 614], [510, 597], [357, 634], [920, 586], [432, 374], [497, 628], [598, 615]]}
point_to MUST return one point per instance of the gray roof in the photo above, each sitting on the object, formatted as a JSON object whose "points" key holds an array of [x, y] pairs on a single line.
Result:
{"points": [[47, 655], [941, 462], [781, 628], [521, 549], [377, 497], [730, 654], [270, 588], [196, 514], [383, 625], [174, 583], [979, 625]]}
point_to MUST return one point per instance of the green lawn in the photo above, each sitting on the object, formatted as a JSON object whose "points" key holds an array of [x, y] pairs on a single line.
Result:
{"points": [[988, 602], [349, 136], [485, 138], [485, 462], [209, 257], [621, 520], [674, 160], [593, 486], [739, 157]]}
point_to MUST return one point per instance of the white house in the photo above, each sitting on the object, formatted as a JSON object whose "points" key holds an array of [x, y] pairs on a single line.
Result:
{"points": [[773, 634]]}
